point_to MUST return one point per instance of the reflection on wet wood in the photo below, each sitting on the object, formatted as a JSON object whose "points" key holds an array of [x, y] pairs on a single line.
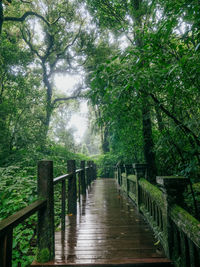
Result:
{"points": [[107, 230]]}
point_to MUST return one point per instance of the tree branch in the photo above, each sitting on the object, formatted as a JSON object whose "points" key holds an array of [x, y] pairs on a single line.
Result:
{"points": [[64, 99], [1, 16], [76, 94], [59, 17], [26, 2], [183, 127], [49, 47], [24, 16], [28, 42], [119, 18], [60, 54]]}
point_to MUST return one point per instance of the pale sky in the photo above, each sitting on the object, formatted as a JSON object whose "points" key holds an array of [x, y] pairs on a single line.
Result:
{"points": [[65, 84]]}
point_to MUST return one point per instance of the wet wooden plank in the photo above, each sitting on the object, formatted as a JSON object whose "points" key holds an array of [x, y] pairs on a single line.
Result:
{"points": [[115, 263], [107, 230]]}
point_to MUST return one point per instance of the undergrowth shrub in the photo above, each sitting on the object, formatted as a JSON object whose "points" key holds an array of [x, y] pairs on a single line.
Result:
{"points": [[18, 189], [105, 165], [189, 201]]}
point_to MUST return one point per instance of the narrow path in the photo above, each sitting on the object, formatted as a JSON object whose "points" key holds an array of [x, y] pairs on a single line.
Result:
{"points": [[108, 230]]}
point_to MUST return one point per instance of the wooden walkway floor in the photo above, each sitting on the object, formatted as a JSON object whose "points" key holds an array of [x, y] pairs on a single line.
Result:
{"points": [[107, 230]]}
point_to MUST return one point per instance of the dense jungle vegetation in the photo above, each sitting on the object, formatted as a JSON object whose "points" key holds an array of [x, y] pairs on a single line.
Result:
{"points": [[140, 67]]}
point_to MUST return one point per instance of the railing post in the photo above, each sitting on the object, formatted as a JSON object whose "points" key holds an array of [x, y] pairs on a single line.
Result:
{"points": [[72, 190], [172, 188], [6, 249], [46, 244], [127, 182], [95, 171], [92, 170], [83, 184], [79, 186], [63, 210], [88, 173], [119, 173], [140, 172]]}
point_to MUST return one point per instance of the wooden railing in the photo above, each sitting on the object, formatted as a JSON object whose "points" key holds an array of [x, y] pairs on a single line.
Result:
{"points": [[78, 181], [177, 230]]}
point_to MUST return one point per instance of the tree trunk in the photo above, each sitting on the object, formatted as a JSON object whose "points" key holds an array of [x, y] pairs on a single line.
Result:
{"points": [[49, 111], [1, 15], [163, 131], [49, 106], [159, 119], [105, 140], [149, 153], [192, 137]]}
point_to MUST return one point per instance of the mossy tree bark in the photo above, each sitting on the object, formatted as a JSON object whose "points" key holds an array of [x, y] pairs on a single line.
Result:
{"points": [[149, 153]]}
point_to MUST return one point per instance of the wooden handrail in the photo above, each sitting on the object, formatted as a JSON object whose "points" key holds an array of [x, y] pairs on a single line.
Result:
{"points": [[6, 230], [66, 176], [15, 219], [78, 171], [62, 178], [186, 222], [177, 230], [45, 206]]}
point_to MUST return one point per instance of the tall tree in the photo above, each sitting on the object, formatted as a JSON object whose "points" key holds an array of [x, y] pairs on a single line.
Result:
{"points": [[127, 18], [20, 101], [57, 52], [164, 71], [54, 35]]}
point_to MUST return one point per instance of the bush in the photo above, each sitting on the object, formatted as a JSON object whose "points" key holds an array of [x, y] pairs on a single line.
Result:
{"points": [[18, 189], [189, 198], [105, 165]]}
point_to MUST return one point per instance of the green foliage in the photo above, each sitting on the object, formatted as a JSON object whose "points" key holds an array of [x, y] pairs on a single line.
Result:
{"points": [[84, 150], [105, 165], [154, 75], [159, 69], [43, 255], [18, 189], [189, 201], [106, 12], [24, 241], [59, 130], [19, 98]]}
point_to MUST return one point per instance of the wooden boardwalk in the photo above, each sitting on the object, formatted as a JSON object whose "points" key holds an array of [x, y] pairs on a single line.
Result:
{"points": [[107, 230]]}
